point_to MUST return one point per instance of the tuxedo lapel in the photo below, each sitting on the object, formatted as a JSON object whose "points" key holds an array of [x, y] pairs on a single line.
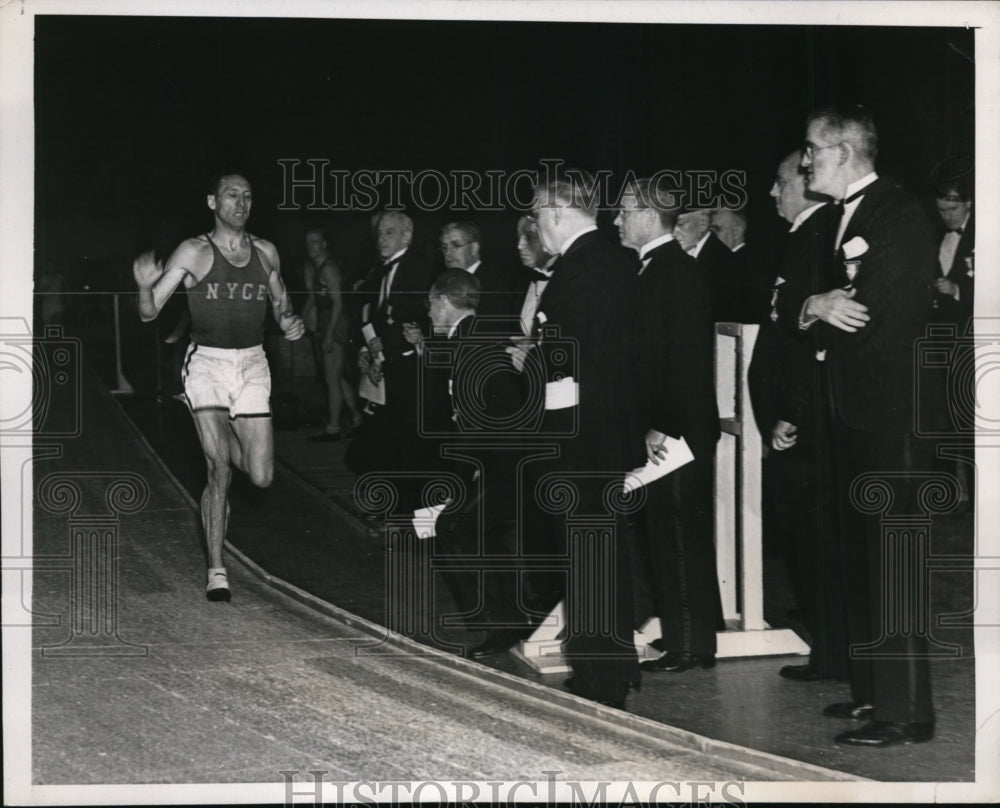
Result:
{"points": [[870, 202]]}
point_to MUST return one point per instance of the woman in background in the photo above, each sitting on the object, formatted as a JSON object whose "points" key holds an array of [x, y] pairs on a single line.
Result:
{"points": [[326, 305]]}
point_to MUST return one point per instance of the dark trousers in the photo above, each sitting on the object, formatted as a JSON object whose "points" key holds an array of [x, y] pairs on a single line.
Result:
{"points": [[477, 543], [598, 598], [896, 677], [570, 519], [475, 561], [680, 531], [800, 484]]}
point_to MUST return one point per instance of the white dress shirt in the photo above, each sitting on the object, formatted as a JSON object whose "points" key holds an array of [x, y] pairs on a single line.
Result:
{"points": [[949, 246], [696, 249], [532, 296], [389, 276], [649, 246], [852, 206], [569, 242]]}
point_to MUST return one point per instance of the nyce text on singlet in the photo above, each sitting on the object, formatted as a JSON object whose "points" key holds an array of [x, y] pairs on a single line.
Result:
{"points": [[229, 304]]}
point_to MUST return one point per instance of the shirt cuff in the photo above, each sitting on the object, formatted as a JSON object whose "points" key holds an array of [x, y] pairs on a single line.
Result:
{"points": [[804, 321]]}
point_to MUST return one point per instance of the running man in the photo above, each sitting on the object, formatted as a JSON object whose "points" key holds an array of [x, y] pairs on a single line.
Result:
{"points": [[229, 276]]}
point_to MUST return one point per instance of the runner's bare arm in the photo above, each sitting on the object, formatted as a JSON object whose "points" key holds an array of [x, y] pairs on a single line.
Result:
{"points": [[287, 319], [157, 282]]}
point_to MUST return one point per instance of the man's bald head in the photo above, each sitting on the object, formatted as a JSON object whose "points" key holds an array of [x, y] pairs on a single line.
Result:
{"points": [[789, 191]]}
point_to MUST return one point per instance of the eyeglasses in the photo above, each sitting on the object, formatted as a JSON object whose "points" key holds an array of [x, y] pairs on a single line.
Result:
{"points": [[453, 245], [810, 149]]}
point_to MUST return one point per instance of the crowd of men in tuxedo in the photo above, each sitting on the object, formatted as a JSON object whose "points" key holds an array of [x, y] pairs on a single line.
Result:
{"points": [[538, 392]]}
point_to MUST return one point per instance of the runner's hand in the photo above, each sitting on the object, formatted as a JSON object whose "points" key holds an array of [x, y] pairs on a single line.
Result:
{"points": [[292, 325], [147, 270]]}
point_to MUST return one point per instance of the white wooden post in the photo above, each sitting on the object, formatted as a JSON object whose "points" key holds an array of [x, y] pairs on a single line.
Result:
{"points": [[122, 386]]}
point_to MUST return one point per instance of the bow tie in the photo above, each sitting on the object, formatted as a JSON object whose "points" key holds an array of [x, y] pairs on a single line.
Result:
{"points": [[959, 230], [538, 275], [839, 205]]}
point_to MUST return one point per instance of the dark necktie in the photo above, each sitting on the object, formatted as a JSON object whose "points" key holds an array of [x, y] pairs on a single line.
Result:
{"points": [[384, 289], [538, 275], [839, 205]]}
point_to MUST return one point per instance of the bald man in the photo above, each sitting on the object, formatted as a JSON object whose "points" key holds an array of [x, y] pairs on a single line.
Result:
{"points": [[787, 391]]}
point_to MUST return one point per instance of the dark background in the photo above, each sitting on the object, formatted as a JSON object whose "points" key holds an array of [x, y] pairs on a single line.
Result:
{"points": [[134, 114]]}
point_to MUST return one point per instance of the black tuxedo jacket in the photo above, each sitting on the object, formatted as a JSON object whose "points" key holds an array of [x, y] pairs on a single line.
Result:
{"points": [[405, 303], [871, 371], [753, 278], [959, 311], [496, 290], [718, 265], [592, 301], [783, 374], [676, 348], [472, 401]]}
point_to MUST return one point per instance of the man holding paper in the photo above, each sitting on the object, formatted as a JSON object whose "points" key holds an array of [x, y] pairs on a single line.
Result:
{"points": [[676, 345], [396, 293]]}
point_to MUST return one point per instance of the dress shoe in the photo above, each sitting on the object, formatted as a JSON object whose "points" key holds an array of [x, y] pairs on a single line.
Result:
{"points": [[496, 642], [677, 662], [801, 673], [886, 733], [541, 606], [849, 709], [618, 704], [634, 686]]}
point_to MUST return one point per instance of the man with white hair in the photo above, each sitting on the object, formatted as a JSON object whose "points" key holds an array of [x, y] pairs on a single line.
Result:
{"points": [[752, 281], [693, 231], [396, 291]]}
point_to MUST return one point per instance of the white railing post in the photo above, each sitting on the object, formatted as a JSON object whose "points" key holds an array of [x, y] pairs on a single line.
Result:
{"points": [[122, 387]]}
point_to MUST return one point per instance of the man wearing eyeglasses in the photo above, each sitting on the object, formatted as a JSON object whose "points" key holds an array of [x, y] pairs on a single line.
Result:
{"points": [[461, 244], [883, 266]]}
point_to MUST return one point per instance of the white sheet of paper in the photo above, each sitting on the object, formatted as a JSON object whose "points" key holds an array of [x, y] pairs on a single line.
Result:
{"points": [[425, 521], [678, 454], [371, 392]]}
